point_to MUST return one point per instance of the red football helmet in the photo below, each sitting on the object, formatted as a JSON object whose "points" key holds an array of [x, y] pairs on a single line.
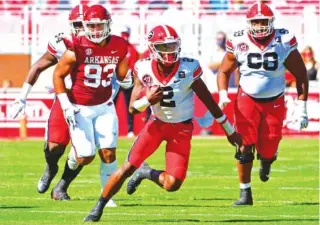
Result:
{"points": [[260, 11], [76, 18], [97, 22], [164, 44], [125, 32]]}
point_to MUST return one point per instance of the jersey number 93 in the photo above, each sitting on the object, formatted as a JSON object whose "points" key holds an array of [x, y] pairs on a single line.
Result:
{"points": [[97, 75]]}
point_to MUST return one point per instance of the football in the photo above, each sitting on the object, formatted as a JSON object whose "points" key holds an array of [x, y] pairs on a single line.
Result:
{"points": [[154, 94]]}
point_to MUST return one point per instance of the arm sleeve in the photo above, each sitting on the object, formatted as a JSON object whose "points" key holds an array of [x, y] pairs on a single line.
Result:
{"points": [[56, 45], [229, 46], [290, 44], [197, 72]]}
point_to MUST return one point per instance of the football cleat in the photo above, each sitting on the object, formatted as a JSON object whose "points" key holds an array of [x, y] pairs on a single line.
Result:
{"points": [[137, 177], [245, 198], [264, 170], [47, 177], [130, 135], [96, 212], [60, 195], [111, 204]]}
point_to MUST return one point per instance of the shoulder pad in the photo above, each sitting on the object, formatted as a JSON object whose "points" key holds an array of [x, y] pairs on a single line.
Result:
{"points": [[287, 38], [189, 60], [282, 31], [193, 66]]}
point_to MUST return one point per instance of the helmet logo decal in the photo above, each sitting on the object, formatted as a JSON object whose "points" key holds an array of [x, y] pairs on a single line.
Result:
{"points": [[150, 35]]}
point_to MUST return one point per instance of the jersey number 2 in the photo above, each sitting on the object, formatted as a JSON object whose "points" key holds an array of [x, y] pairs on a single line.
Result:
{"points": [[269, 61], [167, 95], [97, 75]]}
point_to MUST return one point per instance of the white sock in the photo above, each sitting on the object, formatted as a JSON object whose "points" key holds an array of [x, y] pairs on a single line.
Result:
{"points": [[244, 186], [106, 170], [72, 159]]}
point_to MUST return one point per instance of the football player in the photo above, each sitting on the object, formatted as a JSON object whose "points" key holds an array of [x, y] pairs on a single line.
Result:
{"points": [[171, 82], [262, 53], [133, 56], [88, 107], [57, 133]]}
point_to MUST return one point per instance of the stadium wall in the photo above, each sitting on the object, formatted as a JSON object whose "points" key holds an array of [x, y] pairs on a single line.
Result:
{"points": [[14, 67], [39, 103]]}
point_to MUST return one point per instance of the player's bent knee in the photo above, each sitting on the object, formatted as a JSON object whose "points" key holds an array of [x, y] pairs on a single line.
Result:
{"points": [[55, 147], [245, 155], [107, 155], [85, 160]]}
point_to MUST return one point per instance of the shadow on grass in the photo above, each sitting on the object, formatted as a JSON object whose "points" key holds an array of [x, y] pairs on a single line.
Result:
{"points": [[305, 203], [115, 199], [17, 207], [214, 199], [264, 220], [229, 221], [173, 205]]}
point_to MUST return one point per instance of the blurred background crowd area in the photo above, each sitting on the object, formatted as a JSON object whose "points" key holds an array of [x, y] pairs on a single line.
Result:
{"points": [[203, 26]]}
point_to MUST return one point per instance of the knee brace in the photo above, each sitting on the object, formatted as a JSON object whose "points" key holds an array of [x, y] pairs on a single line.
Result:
{"points": [[246, 156]]}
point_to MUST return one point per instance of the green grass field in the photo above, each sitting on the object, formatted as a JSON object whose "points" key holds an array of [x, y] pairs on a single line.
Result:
{"points": [[291, 196]]}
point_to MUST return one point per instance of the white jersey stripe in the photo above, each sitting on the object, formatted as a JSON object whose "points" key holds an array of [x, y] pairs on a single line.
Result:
{"points": [[81, 9], [166, 30]]}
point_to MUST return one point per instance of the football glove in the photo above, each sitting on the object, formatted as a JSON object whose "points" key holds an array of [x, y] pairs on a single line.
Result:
{"points": [[69, 110], [18, 107], [127, 82], [70, 115], [300, 115], [19, 104]]}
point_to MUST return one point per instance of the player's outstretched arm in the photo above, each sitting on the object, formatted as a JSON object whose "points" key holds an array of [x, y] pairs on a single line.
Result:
{"points": [[204, 95], [295, 65], [62, 70], [46, 60], [228, 65]]}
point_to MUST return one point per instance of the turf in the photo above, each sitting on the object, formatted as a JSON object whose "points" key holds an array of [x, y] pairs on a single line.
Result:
{"points": [[291, 196]]}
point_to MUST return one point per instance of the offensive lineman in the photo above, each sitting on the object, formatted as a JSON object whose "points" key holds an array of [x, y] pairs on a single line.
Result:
{"points": [[262, 54]]}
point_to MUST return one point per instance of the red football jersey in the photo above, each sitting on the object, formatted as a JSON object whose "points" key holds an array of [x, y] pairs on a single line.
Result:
{"points": [[94, 68], [133, 56]]}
